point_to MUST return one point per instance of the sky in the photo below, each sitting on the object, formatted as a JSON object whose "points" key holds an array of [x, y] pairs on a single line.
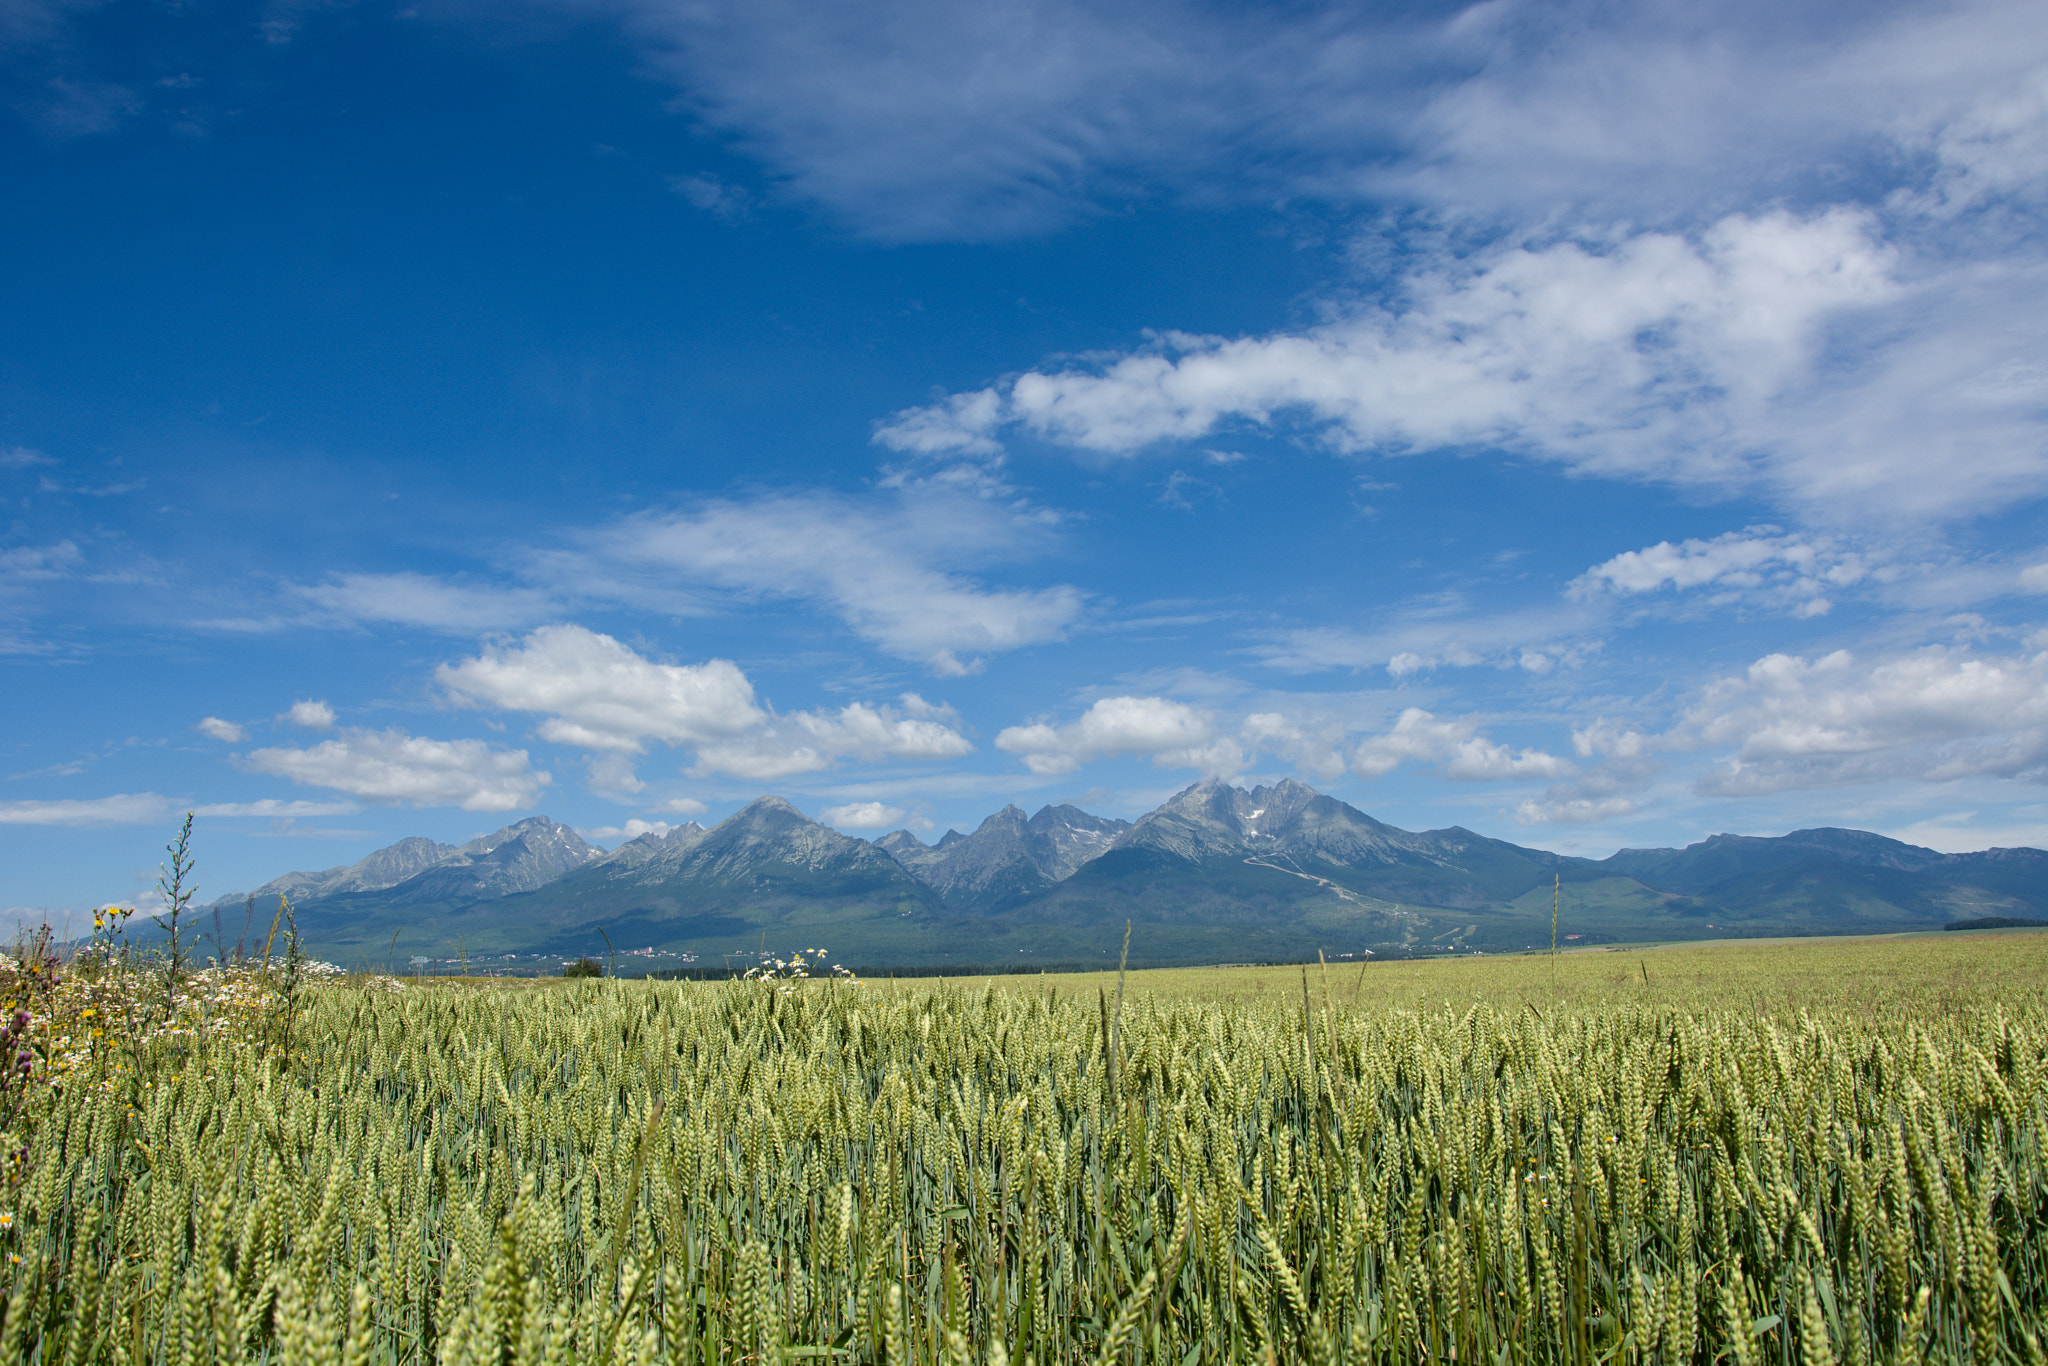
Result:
{"points": [[1596, 425]]}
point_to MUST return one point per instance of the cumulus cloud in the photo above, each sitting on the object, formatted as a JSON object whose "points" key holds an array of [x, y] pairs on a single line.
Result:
{"points": [[1653, 355], [216, 729], [1456, 746], [311, 714], [390, 767], [597, 693], [1172, 734], [863, 815], [1762, 564], [1935, 715], [962, 424]]}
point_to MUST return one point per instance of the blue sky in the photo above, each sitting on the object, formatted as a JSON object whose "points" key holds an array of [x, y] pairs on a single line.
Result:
{"points": [[1595, 425]]}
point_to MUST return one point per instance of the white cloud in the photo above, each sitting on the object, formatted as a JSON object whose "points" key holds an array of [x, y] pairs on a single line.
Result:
{"points": [[311, 713], [149, 808], [273, 809], [391, 767], [714, 196], [21, 457], [893, 565], [804, 742], [1789, 572], [410, 599], [26, 564], [915, 120], [2034, 578], [961, 424], [683, 806], [1456, 746], [1572, 810], [631, 830], [863, 815], [598, 694], [874, 563], [1935, 715], [1646, 355], [124, 808], [227, 731], [1314, 744], [1444, 631], [1656, 108], [1624, 763], [1604, 738], [612, 775], [1171, 733], [1963, 832]]}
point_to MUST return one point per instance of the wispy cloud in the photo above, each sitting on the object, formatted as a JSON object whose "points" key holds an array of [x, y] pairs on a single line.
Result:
{"points": [[391, 767], [889, 567], [1446, 630], [414, 599], [917, 120], [123, 808], [150, 808], [898, 566]]}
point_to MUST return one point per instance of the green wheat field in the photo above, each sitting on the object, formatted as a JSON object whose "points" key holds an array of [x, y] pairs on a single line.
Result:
{"points": [[1770, 1152]]}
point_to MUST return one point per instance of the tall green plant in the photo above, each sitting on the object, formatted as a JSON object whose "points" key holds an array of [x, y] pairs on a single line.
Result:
{"points": [[173, 886]]}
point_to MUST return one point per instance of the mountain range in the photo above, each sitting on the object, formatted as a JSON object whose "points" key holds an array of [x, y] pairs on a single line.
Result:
{"points": [[1217, 874]]}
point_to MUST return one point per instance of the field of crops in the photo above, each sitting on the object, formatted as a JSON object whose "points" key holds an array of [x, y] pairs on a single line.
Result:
{"points": [[1568, 1167]]}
